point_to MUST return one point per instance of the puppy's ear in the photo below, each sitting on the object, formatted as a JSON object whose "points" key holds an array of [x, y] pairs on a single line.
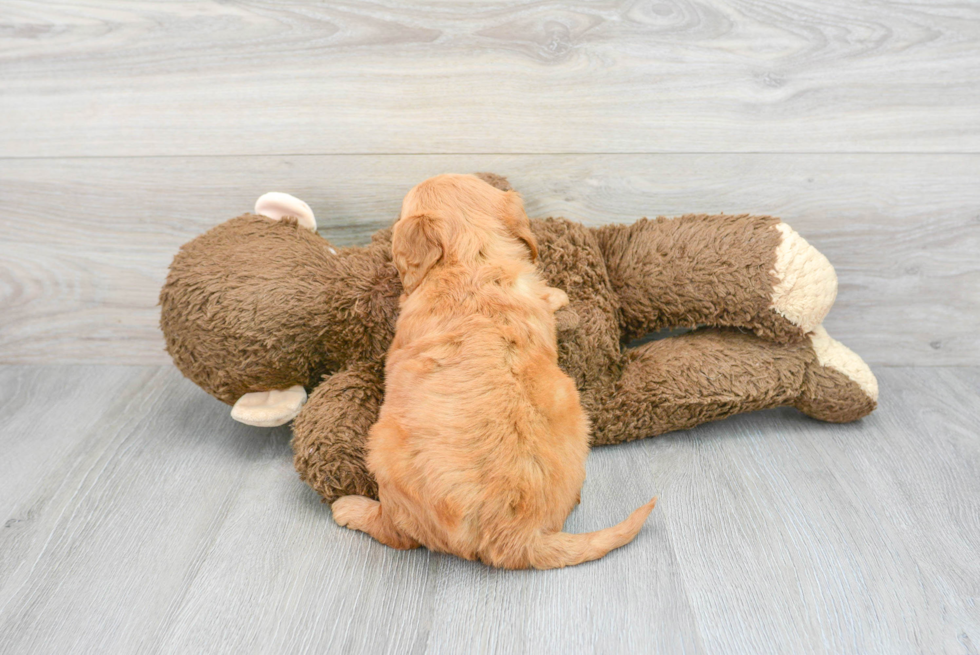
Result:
{"points": [[518, 222], [417, 243]]}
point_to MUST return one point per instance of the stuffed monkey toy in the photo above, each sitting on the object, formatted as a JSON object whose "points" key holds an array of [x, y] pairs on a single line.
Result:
{"points": [[265, 315]]}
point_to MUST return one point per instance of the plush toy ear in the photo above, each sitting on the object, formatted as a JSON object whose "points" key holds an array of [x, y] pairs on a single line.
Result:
{"points": [[276, 205], [417, 243], [520, 225], [267, 409]]}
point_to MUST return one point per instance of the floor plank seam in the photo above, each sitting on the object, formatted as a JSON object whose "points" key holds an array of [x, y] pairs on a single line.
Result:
{"points": [[631, 153]]}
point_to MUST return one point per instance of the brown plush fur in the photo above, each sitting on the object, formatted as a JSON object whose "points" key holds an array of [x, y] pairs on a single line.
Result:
{"points": [[480, 446], [256, 304], [700, 376], [829, 395], [663, 285]]}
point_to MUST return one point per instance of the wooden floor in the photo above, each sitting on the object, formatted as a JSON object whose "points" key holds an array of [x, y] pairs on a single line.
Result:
{"points": [[138, 517], [142, 519]]}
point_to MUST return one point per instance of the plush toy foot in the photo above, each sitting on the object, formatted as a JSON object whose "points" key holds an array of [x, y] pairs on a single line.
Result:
{"points": [[807, 282], [267, 409], [277, 206], [838, 386]]}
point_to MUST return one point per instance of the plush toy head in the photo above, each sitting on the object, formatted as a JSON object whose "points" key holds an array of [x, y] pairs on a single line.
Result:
{"points": [[255, 305]]}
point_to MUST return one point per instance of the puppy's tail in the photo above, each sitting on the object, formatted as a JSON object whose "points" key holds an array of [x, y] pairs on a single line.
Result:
{"points": [[560, 549]]}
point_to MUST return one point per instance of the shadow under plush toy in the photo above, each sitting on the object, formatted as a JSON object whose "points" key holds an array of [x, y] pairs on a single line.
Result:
{"points": [[261, 310]]}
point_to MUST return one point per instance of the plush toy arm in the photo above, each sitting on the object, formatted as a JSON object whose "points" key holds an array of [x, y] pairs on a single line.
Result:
{"points": [[330, 433], [709, 374], [752, 272]]}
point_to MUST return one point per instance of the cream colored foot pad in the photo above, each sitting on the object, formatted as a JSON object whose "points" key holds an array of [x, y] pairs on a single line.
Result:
{"points": [[276, 205], [831, 352], [807, 282], [267, 409]]}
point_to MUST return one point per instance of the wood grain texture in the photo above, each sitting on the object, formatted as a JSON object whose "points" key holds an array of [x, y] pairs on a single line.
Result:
{"points": [[136, 516], [145, 519], [864, 536], [87, 242], [208, 77]]}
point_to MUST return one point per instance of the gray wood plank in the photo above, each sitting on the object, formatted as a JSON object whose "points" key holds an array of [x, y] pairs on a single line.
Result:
{"points": [[864, 537], [87, 242], [333, 591], [165, 511], [632, 601], [163, 526], [117, 520], [43, 414], [209, 77]]}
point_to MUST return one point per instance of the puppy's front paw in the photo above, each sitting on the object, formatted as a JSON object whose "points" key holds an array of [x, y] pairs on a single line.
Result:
{"points": [[556, 298]]}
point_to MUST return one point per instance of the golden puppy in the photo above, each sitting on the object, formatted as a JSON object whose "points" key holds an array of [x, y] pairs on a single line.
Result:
{"points": [[480, 446]]}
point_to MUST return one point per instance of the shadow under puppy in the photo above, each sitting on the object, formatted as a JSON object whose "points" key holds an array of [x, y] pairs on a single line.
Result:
{"points": [[480, 445]]}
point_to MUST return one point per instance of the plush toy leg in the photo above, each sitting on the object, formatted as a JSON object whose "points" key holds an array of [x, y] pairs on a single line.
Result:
{"points": [[838, 387], [702, 376], [267, 409], [276, 205], [330, 433], [752, 272]]}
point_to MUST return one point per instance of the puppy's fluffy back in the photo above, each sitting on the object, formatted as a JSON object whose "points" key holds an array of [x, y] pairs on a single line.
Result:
{"points": [[481, 443]]}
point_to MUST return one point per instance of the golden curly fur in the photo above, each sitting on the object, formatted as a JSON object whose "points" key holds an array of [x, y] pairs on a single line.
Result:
{"points": [[480, 446]]}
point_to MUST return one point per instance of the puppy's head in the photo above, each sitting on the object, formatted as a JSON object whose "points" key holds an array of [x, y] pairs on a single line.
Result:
{"points": [[458, 219]]}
